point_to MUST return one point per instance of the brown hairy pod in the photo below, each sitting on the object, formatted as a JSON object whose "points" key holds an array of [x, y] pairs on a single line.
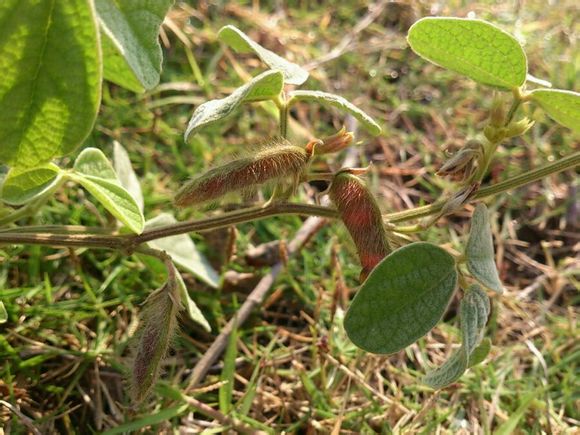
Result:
{"points": [[362, 217], [276, 161], [158, 326]]}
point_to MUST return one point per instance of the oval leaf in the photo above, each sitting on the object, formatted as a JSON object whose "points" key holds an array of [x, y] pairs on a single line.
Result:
{"points": [[126, 174], [239, 41], [402, 299], [480, 352], [266, 86], [51, 78], [131, 52], [183, 251], [23, 185], [340, 103], [479, 251], [562, 106], [474, 48], [96, 174]]}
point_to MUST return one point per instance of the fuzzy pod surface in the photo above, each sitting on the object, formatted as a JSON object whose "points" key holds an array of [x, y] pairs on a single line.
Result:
{"points": [[273, 162], [158, 326], [362, 217]]}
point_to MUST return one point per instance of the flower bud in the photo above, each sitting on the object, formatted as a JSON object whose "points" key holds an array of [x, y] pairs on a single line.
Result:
{"points": [[362, 217], [518, 128], [273, 162], [332, 144]]}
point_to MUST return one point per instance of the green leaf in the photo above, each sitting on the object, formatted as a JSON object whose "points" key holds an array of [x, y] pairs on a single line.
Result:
{"points": [[131, 52], [50, 91], [96, 174], [449, 372], [266, 86], [480, 352], [474, 310], [403, 298], [340, 103], [190, 306], [22, 185], [479, 251], [183, 251], [239, 41], [474, 48], [3, 313], [562, 106], [126, 174]]}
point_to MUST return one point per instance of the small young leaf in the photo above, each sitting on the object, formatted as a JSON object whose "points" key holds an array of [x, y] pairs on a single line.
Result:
{"points": [[131, 51], [239, 41], [183, 252], [403, 298], [50, 87], [96, 174], [3, 313], [92, 162], [562, 106], [449, 372], [474, 48], [474, 310], [479, 251], [126, 174], [480, 352], [190, 306], [23, 185], [340, 103], [266, 86]]}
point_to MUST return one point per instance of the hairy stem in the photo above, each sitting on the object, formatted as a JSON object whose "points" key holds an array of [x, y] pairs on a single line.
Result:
{"points": [[82, 237]]}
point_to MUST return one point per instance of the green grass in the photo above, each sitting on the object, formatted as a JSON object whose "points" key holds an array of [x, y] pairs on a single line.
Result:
{"points": [[65, 349]]}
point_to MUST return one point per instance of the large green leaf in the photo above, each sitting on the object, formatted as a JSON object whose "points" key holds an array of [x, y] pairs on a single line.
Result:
{"points": [[50, 86], [266, 86], [338, 102], [474, 48], [479, 251], [183, 251], [403, 298], [239, 41], [22, 185], [96, 174], [131, 52], [562, 106]]}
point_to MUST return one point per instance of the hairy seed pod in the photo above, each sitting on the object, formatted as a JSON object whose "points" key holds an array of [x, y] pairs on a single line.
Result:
{"points": [[158, 325], [362, 217], [273, 162]]}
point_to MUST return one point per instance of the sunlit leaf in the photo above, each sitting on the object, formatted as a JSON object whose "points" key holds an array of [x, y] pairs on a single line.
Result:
{"points": [[183, 251], [50, 86], [403, 298], [22, 185], [340, 103], [479, 251], [239, 41], [474, 48], [130, 39], [126, 174], [266, 86], [190, 306], [562, 106], [3, 313], [96, 174]]}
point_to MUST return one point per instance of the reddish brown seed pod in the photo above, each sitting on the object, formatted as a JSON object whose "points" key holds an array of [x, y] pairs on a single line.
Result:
{"points": [[362, 217], [275, 161]]}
